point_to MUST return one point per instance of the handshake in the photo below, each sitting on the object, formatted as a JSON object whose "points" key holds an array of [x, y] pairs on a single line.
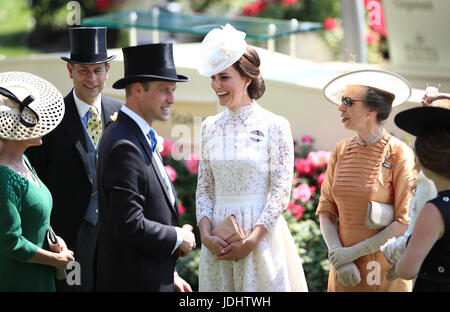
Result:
{"points": [[188, 242]]}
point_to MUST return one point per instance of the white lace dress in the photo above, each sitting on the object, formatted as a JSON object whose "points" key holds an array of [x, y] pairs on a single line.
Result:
{"points": [[246, 168]]}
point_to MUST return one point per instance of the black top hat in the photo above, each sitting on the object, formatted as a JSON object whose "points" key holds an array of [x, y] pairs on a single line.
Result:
{"points": [[149, 62], [88, 46], [420, 119]]}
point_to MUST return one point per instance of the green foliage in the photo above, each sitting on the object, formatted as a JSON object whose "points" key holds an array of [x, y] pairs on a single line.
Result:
{"points": [[51, 14]]}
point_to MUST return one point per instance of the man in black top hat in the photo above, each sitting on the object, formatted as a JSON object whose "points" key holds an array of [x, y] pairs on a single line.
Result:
{"points": [[67, 159], [139, 238]]}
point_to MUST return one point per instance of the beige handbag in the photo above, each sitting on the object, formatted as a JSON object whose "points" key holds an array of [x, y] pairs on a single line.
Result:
{"points": [[229, 230], [379, 215]]}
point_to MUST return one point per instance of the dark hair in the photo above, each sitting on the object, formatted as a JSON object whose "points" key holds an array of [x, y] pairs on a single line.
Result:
{"points": [[248, 66], [145, 85], [433, 150], [380, 101]]}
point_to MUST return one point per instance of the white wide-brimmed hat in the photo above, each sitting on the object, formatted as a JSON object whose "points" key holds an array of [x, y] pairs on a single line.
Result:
{"points": [[30, 107], [220, 49], [375, 78]]}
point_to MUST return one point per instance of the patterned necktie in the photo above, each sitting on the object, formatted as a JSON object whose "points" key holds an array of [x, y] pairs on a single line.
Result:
{"points": [[152, 136], [94, 126]]}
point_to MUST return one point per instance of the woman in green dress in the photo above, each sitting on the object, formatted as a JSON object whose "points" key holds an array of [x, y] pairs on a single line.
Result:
{"points": [[30, 107]]}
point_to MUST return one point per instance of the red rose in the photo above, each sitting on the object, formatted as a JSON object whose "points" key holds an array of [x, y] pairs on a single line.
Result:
{"points": [[103, 5], [181, 209], [320, 179], [330, 23], [254, 8], [305, 167], [296, 210]]}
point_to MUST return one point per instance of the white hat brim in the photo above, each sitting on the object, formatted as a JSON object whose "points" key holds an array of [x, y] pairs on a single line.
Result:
{"points": [[380, 79], [220, 49], [48, 104]]}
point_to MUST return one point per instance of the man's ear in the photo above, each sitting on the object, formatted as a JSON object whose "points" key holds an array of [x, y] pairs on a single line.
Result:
{"points": [[108, 66], [70, 69]]}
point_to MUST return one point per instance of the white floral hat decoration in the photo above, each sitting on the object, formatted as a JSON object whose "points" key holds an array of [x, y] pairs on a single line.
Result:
{"points": [[376, 78], [220, 48], [30, 107]]}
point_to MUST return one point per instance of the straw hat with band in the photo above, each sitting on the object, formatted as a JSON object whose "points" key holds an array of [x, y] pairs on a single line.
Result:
{"points": [[30, 107], [220, 49], [375, 78]]}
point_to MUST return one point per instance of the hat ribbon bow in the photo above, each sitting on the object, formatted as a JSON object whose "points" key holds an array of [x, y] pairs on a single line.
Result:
{"points": [[22, 106]]}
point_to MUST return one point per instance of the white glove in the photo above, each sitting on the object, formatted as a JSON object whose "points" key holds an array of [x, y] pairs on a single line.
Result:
{"points": [[342, 255], [331, 236], [349, 275], [394, 249], [391, 274]]}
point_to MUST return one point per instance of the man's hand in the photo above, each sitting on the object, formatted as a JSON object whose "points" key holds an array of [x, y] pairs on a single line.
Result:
{"points": [[188, 241], [180, 285]]}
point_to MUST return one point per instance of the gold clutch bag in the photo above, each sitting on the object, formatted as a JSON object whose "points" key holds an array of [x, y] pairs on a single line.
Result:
{"points": [[229, 230], [379, 215]]}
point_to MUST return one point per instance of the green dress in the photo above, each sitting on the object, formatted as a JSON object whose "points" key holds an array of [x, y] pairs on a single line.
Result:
{"points": [[24, 219]]}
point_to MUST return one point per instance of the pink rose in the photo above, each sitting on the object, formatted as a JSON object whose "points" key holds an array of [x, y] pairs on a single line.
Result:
{"points": [[289, 2], [167, 151], [302, 192], [171, 173], [320, 179], [305, 167], [320, 158], [306, 139], [192, 164], [330, 23], [296, 210]]}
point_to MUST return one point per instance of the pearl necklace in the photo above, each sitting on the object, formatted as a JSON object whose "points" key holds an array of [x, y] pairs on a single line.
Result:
{"points": [[373, 141]]}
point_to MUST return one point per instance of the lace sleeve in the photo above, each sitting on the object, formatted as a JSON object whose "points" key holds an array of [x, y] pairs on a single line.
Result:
{"points": [[281, 166], [205, 184]]}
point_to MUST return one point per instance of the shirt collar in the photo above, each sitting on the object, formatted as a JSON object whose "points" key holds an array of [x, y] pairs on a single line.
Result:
{"points": [[83, 107], [143, 125]]}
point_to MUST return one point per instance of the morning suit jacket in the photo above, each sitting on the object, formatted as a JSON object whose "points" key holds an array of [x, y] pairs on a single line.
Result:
{"points": [[137, 234], [62, 163]]}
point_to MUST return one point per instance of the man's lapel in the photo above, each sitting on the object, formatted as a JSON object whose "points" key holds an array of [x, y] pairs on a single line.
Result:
{"points": [[75, 130], [146, 147]]}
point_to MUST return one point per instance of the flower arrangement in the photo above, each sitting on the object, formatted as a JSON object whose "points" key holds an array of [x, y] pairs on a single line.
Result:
{"points": [[430, 94]]}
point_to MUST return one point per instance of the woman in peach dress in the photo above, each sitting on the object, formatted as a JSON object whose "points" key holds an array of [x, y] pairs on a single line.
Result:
{"points": [[371, 166]]}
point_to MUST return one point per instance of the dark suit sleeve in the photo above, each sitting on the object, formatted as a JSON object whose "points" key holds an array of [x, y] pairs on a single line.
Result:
{"points": [[125, 181]]}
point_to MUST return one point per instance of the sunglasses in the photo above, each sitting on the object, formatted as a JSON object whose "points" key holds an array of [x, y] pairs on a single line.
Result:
{"points": [[349, 101]]}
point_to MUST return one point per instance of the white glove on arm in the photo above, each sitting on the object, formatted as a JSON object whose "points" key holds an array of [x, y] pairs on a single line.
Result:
{"points": [[342, 255], [348, 274]]}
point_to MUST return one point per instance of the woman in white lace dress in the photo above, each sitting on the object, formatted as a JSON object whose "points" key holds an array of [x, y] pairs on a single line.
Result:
{"points": [[246, 169]]}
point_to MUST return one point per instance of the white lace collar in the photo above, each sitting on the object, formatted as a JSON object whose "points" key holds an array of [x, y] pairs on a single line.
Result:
{"points": [[243, 112]]}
